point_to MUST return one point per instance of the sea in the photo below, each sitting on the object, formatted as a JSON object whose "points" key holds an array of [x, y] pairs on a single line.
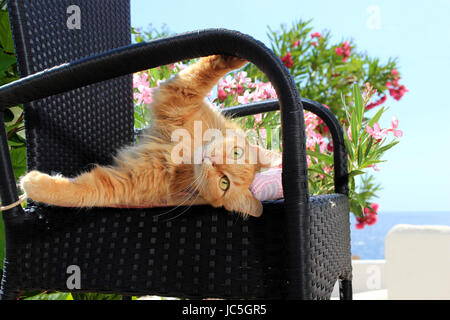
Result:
{"points": [[368, 243]]}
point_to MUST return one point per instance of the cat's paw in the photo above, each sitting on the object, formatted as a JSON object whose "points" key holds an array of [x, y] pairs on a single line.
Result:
{"points": [[37, 185], [228, 62]]}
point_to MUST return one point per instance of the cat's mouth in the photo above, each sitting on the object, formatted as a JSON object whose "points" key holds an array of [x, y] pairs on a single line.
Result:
{"points": [[207, 156], [207, 160]]}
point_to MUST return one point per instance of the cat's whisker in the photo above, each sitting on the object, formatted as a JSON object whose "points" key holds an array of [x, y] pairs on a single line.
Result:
{"points": [[200, 184], [186, 188], [186, 209], [203, 175], [187, 197]]}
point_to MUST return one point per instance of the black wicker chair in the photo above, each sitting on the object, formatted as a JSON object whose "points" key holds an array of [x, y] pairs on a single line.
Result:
{"points": [[77, 94]]}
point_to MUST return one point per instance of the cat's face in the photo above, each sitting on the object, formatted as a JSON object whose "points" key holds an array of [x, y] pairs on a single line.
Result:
{"points": [[226, 171]]}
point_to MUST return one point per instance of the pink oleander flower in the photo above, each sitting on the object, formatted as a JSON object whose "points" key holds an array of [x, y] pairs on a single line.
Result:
{"points": [[370, 216], [222, 94], [313, 137], [330, 147], [308, 160], [397, 93], [295, 44], [245, 98], [396, 82], [376, 132], [287, 60], [376, 103], [227, 83], [144, 96], [349, 133], [316, 35], [258, 118], [264, 91], [393, 128], [396, 90], [344, 51], [315, 44], [141, 80], [180, 65], [241, 78]]}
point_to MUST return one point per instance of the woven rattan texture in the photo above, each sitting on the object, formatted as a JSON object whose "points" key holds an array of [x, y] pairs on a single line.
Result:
{"points": [[204, 252], [68, 132], [330, 245]]}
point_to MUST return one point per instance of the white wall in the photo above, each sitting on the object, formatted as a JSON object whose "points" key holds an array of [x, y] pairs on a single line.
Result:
{"points": [[418, 262]]}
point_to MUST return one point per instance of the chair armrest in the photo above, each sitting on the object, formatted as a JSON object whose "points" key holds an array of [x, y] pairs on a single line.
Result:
{"points": [[337, 133]]}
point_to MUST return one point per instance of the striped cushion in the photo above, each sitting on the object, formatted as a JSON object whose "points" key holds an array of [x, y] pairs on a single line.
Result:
{"points": [[267, 185]]}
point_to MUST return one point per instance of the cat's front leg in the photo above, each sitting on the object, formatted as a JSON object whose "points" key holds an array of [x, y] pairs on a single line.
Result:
{"points": [[54, 190]]}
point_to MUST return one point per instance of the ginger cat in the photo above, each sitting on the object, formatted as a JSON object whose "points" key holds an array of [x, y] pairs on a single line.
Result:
{"points": [[218, 172]]}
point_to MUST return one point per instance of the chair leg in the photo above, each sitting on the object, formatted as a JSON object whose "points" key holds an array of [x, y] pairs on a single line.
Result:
{"points": [[8, 295], [345, 289]]}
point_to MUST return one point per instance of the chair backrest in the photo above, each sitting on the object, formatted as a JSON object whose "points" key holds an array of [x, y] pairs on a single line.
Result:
{"points": [[68, 132]]}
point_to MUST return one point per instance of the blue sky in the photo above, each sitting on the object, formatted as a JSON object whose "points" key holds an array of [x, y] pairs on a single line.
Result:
{"points": [[417, 174]]}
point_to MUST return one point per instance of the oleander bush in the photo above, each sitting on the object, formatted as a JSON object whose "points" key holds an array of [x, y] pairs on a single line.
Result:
{"points": [[353, 85]]}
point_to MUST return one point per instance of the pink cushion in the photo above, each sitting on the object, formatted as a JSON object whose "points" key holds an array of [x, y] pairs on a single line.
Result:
{"points": [[267, 185]]}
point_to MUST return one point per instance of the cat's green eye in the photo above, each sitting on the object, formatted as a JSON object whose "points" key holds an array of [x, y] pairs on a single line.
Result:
{"points": [[237, 153], [224, 183]]}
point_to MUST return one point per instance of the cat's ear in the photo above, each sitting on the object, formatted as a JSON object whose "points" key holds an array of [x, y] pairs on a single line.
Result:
{"points": [[267, 158], [246, 204]]}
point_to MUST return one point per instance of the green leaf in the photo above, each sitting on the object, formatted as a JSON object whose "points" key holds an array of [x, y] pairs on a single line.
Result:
{"points": [[382, 150], [354, 129], [361, 201], [376, 117], [95, 296], [52, 296], [356, 208], [6, 40], [5, 61], [367, 163], [13, 143], [19, 161], [319, 171], [355, 173], [360, 156], [359, 105], [368, 147], [349, 147], [328, 159], [269, 138]]}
